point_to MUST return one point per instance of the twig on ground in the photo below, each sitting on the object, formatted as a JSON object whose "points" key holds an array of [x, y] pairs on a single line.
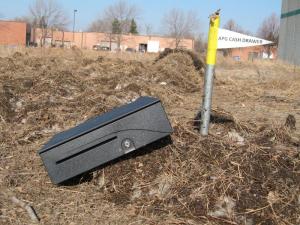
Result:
{"points": [[30, 210]]}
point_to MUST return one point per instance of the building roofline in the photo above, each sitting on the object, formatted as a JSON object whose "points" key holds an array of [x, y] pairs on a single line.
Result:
{"points": [[139, 35], [12, 21]]}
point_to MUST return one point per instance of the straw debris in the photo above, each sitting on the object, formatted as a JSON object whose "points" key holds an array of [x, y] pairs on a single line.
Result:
{"points": [[245, 172]]}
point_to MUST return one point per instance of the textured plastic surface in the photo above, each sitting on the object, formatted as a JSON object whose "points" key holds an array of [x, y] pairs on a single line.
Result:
{"points": [[105, 138]]}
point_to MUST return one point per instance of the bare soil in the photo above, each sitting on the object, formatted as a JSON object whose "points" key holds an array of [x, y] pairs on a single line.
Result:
{"points": [[247, 171]]}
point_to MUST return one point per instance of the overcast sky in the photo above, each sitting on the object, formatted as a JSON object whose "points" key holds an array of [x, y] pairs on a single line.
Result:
{"points": [[248, 14]]}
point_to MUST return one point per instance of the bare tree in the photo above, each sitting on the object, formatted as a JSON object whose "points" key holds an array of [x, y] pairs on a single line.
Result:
{"points": [[100, 25], [233, 26], [148, 29], [103, 26], [47, 15], [269, 29], [25, 19], [180, 25], [200, 44], [122, 12]]}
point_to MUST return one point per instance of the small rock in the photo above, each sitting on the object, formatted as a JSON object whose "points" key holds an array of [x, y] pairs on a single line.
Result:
{"points": [[249, 221], [28, 83], [101, 181], [272, 139], [272, 197], [118, 87], [212, 177], [19, 104], [52, 99], [224, 207], [235, 137], [163, 83], [136, 194], [244, 220], [54, 129], [290, 122], [94, 74]]}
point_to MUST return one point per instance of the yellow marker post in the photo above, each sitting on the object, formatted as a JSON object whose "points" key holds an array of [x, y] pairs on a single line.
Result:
{"points": [[211, 56]]}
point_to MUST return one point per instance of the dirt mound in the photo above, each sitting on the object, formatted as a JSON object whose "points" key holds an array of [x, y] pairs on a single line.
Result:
{"points": [[177, 69], [243, 173], [197, 62]]}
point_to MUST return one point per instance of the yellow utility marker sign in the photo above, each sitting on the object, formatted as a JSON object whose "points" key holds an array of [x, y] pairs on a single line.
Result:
{"points": [[211, 56], [213, 40], [220, 39]]}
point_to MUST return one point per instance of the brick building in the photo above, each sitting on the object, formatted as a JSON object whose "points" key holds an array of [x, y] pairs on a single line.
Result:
{"points": [[13, 33], [251, 53], [88, 40]]}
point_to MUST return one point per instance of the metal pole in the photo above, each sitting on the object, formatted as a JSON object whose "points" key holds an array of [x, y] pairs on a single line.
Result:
{"points": [[295, 47], [211, 56], [75, 10]]}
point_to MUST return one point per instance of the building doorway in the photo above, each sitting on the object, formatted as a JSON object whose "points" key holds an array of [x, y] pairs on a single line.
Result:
{"points": [[143, 47]]}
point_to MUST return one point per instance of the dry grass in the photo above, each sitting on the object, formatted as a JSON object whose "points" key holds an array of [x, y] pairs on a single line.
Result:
{"points": [[79, 53], [8, 51], [245, 172]]}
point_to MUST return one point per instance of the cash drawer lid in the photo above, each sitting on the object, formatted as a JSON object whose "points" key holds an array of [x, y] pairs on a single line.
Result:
{"points": [[98, 122]]}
